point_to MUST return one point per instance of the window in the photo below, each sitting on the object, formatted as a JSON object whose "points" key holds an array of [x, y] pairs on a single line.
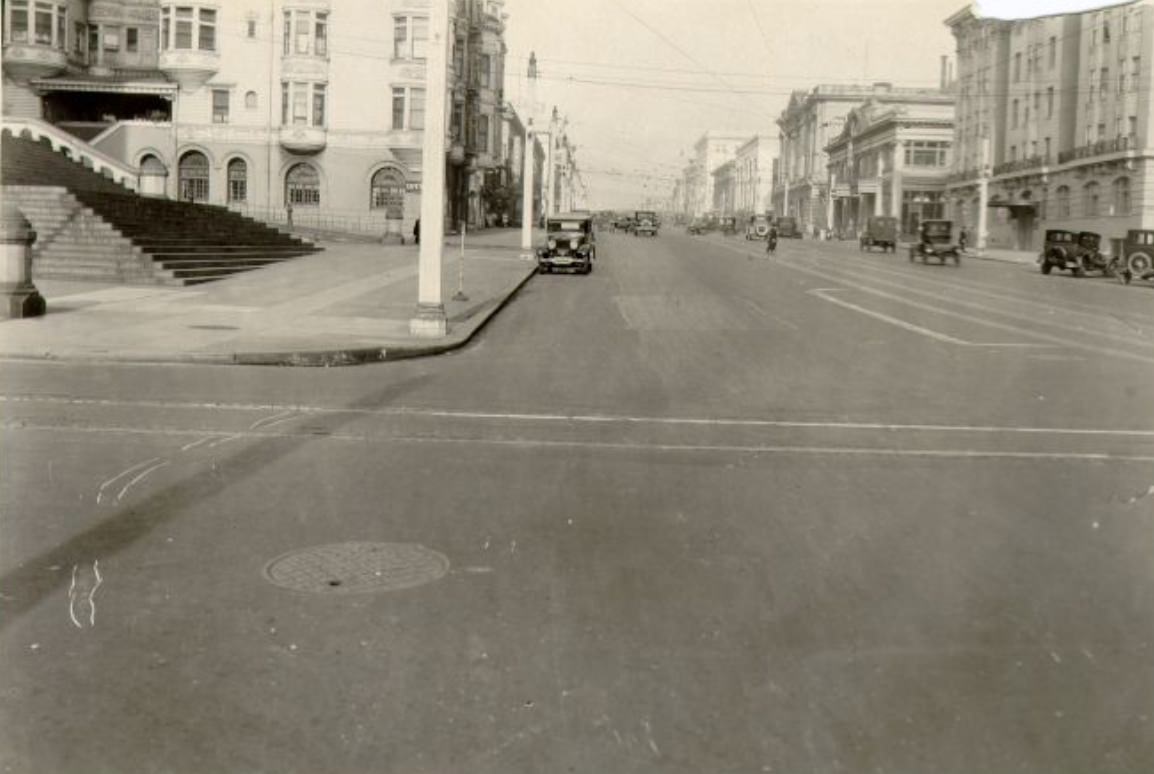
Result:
{"points": [[93, 43], [237, 180], [318, 104], [1062, 197], [387, 192], [486, 70], [220, 106], [1013, 153], [111, 39], [1090, 199], [457, 121], [321, 34], [1122, 196], [301, 26], [132, 40], [251, 28], [1050, 102], [16, 25], [483, 134], [1104, 86], [207, 38], [413, 99], [80, 31], [1053, 51], [250, 100], [192, 174], [1133, 129], [1047, 147], [42, 23], [296, 99], [1017, 67], [187, 27], [926, 153], [1014, 115], [410, 37], [303, 186]]}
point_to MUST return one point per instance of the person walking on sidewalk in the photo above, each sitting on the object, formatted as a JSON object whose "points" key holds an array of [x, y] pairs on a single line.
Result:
{"points": [[963, 237], [417, 232]]}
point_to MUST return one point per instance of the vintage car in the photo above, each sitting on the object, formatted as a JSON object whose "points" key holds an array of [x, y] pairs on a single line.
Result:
{"points": [[787, 228], [570, 244], [757, 227], [697, 226], [727, 224], [1076, 252], [645, 223], [1137, 258], [935, 240], [880, 231]]}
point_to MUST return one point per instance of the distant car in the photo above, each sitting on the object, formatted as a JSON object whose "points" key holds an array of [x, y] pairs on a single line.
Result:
{"points": [[757, 228], [696, 227], [880, 231], [570, 244], [935, 240], [645, 223], [1076, 252], [787, 228], [727, 224]]}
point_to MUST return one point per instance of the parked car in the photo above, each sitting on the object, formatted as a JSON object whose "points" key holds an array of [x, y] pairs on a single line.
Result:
{"points": [[788, 228], [1076, 252], [570, 244], [645, 223], [935, 240], [1137, 259], [696, 227], [757, 227], [727, 224], [880, 231]]}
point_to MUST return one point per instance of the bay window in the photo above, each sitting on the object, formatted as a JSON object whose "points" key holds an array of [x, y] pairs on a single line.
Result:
{"points": [[296, 99], [306, 33], [42, 23], [186, 27]]}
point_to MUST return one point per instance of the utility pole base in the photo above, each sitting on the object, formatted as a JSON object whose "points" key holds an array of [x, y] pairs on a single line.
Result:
{"points": [[430, 322]]}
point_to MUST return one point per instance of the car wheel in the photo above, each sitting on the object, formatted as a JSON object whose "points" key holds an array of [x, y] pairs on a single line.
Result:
{"points": [[1139, 264], [1078, 271], [1047, 267]]}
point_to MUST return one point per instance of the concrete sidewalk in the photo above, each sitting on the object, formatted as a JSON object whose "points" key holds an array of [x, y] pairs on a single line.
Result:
{"points": [[349, 304]]}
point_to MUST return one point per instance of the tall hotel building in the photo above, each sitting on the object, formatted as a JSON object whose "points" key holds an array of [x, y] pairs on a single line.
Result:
{"points": [[263, 104], [1053, 126]]}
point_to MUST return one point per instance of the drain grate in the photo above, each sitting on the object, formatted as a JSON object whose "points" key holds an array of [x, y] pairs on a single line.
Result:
{"points": [[349, 568]]}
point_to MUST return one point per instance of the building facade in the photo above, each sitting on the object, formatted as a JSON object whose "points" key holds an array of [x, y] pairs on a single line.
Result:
{"points": [[1053, 125], [713, 149], [265, 105], [806, 127], [891, 159], [754, 176], [724, 188]]}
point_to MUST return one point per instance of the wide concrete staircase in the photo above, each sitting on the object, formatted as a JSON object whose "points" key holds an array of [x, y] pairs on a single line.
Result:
{"points": [[89, 227]]}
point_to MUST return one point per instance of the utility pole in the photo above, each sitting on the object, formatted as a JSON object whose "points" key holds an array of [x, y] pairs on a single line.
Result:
{"points": [[430, 315], [529, 161]]}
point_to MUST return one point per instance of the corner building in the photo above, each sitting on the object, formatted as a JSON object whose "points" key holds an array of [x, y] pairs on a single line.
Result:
{"points": [[263, 104], [1053, 124]]}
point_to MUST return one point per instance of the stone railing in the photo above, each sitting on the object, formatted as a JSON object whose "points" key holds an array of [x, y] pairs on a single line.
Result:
{"points": [[1099, 148], [76, 149]]}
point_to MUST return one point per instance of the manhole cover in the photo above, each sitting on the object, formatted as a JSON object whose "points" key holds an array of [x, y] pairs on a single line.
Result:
{"points": [[344, 568]]}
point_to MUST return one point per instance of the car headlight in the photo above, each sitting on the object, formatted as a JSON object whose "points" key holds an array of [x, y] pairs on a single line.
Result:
{"points": [[552, 244]]}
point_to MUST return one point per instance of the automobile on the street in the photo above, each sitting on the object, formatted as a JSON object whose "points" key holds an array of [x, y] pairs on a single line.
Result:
{"points": [[645, 223], [935, 240], [728, 225], [1137, 259], [1076, 252], [757, 227], [570, 244], [880, 231], [787, 228], [696, 227]]}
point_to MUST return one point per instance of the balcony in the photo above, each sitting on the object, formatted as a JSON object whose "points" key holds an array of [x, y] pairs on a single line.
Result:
{"points": [[1100, 148], [303, 139], [25, 61], [190, 68], [1021, 165]]}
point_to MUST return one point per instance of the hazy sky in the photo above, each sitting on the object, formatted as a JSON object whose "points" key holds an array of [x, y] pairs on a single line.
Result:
{"points": [[641, 79]]}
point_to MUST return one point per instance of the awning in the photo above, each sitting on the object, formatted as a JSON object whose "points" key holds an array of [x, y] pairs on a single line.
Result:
{"points": [[106, 86]]}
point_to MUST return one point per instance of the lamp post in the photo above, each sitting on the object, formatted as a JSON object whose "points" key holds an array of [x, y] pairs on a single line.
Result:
{"points": [[429, 319]]}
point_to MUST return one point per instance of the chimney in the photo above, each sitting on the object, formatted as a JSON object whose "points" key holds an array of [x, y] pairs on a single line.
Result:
{"points": [[945, 60]]}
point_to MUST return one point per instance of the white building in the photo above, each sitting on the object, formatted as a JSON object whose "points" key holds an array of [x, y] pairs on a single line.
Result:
{"points": [[754, 175]]}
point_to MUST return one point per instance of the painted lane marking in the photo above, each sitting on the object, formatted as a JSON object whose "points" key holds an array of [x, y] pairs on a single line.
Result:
{"points": [[823, 293], [724, 448], [194, 444], [122, 474], [140, 477], [283, 416], [226, 439], [89, 597], [592, 418]]}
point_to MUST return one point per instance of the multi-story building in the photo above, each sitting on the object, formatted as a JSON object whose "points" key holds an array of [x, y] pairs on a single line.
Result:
{"points": [[1053, 124], [724, 188], [891, 159], [806, 127], [693, 190], [713, 149], [754, 179], [263, 104], [509, 177]]}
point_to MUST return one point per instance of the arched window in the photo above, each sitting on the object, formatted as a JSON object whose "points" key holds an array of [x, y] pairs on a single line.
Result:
{"points": [[1122, 196], [1062, 198], [302, 186], [387, 192], [250, 100], [237, 180], [151, 165], [1090, 200], [193, 176]]}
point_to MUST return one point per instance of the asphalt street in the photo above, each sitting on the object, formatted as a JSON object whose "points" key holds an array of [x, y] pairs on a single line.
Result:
{"points": [[704, 510]]}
